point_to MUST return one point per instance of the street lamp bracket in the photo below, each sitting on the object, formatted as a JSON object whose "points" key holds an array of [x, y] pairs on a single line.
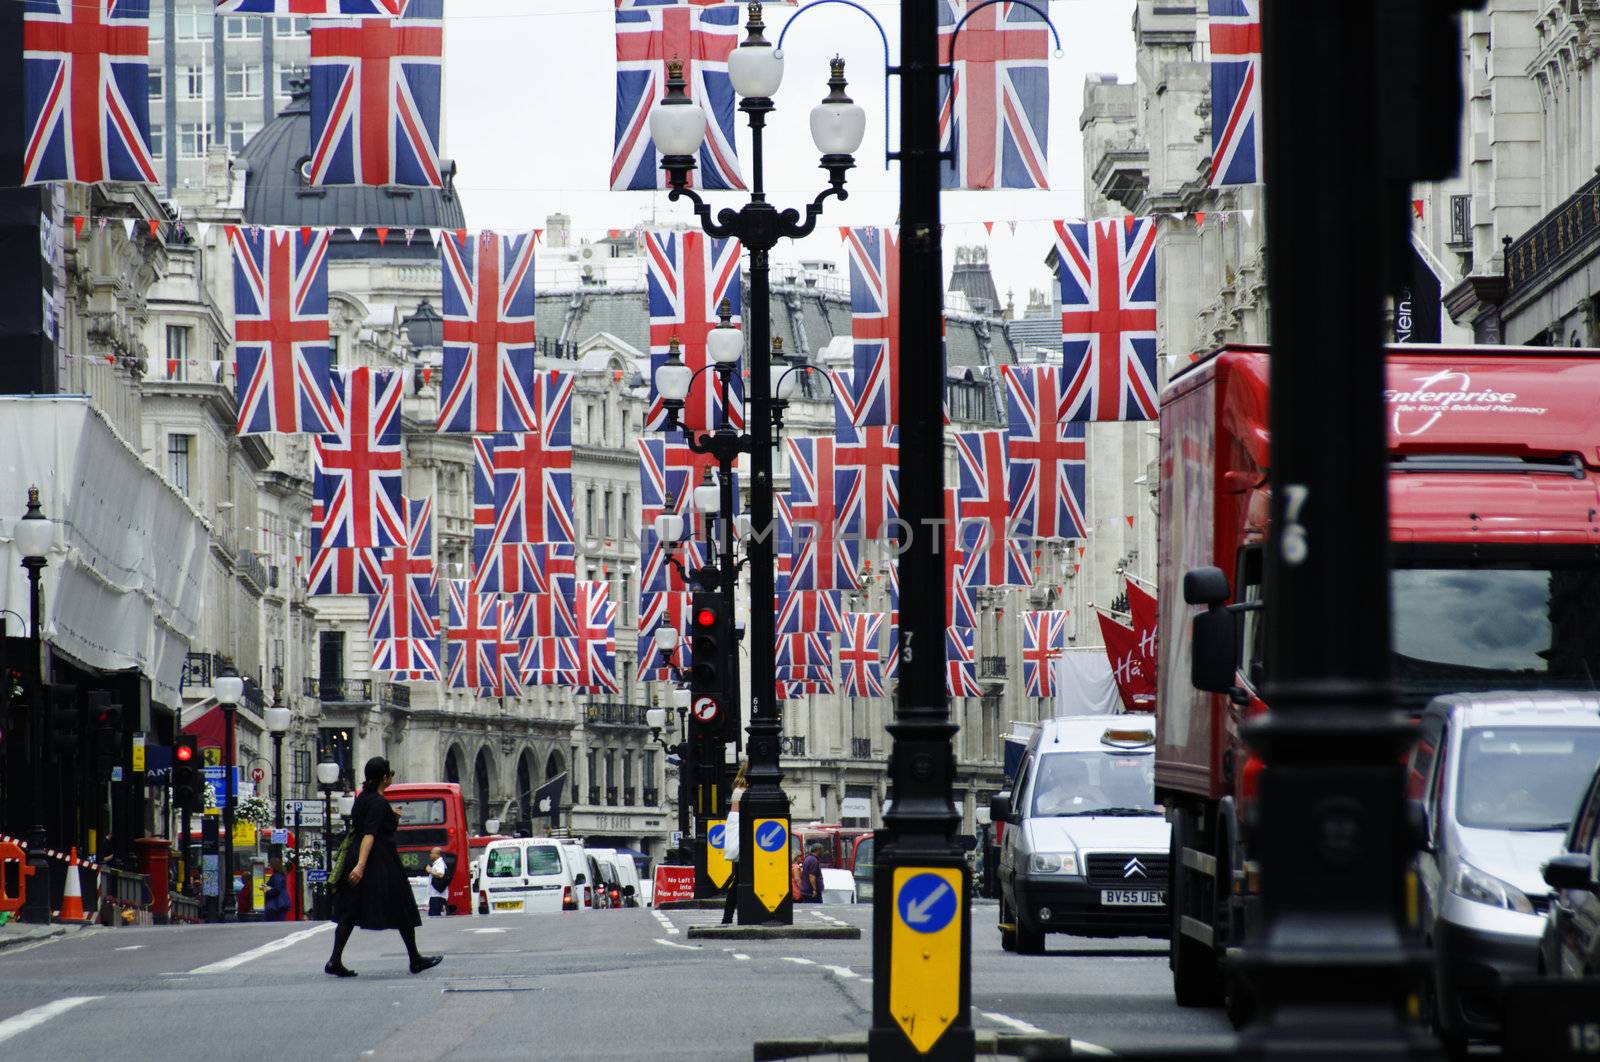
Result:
{"points": [[888, 68]]}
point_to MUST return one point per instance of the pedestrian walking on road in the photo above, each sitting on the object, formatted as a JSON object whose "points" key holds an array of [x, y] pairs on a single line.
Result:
{"points": [[375, 892], [438, 882], [730, 844], [811, 875]]}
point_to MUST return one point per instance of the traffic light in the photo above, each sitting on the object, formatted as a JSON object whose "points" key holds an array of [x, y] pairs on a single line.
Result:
{"points": [[65, 718], [186, 771], [707, 644], [105, 720]]}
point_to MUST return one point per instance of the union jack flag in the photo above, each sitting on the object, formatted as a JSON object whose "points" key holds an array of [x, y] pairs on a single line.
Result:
{"points": [[1047, 456], [312, 8], [550, 662], [488, 333], [471, 636], [1108, 318], [375, 98], [1044, 637], [86, 91], [960, 663], [358, 464], [687, 278], [334, 571], [648, 36], [1235, 92], [508, 649], [866, 468], [668, 470], [960, 608], [808, 612], [669, 610], [793, 691], [823, 559], [860, 670], [402, 625], [554, 570], [803, 653], [995, 113], [994, 558], [280, 332], [498, 565], [532, 489], [874, 395], [596, 639]]}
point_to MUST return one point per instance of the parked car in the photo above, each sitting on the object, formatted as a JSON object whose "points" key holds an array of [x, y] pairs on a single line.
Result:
{"points": [[620, 873], [1499, 776], [1570, 944], [861, 863], [528, 876]]}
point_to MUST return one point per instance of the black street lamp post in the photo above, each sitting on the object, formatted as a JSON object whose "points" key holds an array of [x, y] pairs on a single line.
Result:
{"points": [[327, 780], [678, 127], [278, 719], [229, 689], [34, 534], [657, 719]]}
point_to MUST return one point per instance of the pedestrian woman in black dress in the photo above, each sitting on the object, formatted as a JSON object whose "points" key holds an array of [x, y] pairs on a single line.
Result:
{"points": [[376, 893]]}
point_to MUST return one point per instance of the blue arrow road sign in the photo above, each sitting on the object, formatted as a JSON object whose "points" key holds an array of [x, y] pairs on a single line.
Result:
{"points": [[772, 837], [715, 834], [926, 903]]}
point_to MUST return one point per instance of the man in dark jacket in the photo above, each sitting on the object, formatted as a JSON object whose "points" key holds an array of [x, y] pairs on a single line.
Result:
{"points": [[811, 876], [277, 905]]}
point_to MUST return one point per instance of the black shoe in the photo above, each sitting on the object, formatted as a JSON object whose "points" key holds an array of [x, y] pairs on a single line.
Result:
{"points": [[425, 962], [337, 969]]}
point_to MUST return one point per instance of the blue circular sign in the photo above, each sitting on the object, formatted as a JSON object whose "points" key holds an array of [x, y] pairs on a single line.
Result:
{"points": [[927, 903], [771, 837], [715, 835]]}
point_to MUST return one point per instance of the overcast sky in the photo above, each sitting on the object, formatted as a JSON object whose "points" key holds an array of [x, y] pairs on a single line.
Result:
{"points": [[529, 105]]}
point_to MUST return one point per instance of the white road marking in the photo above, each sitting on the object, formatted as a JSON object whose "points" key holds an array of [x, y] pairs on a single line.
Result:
{"points": [[1015, 1024], [485, 931], [841, 971], [129, 947], [1084, 1047], [266, 949], [666, 923], [741, 957], [18, 1024], [798, 962], [675, 944]]}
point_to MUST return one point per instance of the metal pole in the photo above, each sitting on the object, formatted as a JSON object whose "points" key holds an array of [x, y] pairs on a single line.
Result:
{"points": [[37, 902], [229, 902], [1332, 841], [277, 778], [327, 851], [921, 914], [685, 772]]}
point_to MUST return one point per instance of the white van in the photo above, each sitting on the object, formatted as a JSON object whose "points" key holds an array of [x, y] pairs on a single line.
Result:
{"points": [[625, 872], [528, 875]]}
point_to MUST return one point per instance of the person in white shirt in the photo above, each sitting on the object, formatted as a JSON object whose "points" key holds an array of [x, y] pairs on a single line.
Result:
{"points": [[439, 875]]}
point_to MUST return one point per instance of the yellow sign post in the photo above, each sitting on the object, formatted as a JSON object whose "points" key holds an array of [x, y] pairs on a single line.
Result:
{"points": [[925, 946], [718, 869], [137, 759], [244, 834], [769, 861]]}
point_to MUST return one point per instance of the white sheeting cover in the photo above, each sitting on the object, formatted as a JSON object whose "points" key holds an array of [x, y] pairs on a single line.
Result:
{"points": [[1084, 685], [126, 579]]}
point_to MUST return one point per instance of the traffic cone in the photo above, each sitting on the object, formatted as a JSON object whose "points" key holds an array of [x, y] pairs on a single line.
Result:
{"points": [[72, 897]]}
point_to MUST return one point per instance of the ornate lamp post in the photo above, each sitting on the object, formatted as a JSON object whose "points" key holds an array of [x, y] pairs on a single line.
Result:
{"points": [[327, 781], [278, 719], [229, 690], [837, 126], [34, 534]]}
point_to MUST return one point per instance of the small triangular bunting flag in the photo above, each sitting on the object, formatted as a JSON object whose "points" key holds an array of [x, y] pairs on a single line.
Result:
{"points": [[127, 227], [77, 224], [355, 232], [382, 232]]}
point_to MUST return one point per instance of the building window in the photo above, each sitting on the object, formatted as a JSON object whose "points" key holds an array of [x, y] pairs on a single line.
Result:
{"points": [[330, 659], [239, 134], [605, 516], [158, 26], [158, 139], [302, 769], [292, 27], [178, 462], [158, 81], [194, 138], [242, 28], [333, 351], [588, 512], [194, 24], [243, 81], [192, 83], [177, 352]]}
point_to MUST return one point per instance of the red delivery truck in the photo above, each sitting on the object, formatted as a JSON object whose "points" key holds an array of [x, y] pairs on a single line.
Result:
{"points": [[1494, 495]]}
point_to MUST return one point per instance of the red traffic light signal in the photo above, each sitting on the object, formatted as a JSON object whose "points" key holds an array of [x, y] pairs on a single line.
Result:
{"points": [[183, 753], [705, 617]]}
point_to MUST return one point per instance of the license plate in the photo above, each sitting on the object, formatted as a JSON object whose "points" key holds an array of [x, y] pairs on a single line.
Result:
{"points": [[508, 905], [1132, 897]]}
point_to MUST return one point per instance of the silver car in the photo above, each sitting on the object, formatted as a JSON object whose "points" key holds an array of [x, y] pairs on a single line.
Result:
{"points": [[1499, 776]]}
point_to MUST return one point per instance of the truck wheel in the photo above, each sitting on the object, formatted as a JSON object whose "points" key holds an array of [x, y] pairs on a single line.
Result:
{"points": [[1008, 937], [1029, 941], [1238, 998], [1194, 966]]}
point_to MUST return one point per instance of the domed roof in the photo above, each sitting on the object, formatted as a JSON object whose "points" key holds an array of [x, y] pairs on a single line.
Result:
{"points": [[276, 194]]}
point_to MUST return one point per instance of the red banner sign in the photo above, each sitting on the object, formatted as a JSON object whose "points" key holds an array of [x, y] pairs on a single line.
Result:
{"points": [[673, 883]]}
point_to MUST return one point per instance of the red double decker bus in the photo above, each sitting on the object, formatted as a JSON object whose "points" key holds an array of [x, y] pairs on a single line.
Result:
{"points": [[432, 814]]}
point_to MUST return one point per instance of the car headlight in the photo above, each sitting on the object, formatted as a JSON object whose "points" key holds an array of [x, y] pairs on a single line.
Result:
{"points": [[1473, 884], [1053, 863]]}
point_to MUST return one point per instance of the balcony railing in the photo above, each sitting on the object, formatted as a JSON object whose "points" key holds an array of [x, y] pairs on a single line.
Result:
{"points": [[793, 746], [397, 694], [611, 795], [1564, 234], [199, 669], [627, 798], [992, 667], [339, 691], [594, 794], [652, 797], [861, 748], [611, 713], [249, 565]]}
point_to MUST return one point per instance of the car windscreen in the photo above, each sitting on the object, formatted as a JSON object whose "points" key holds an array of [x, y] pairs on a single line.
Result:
{"points": [[1517, 620], [1087, 783], [504, 862], [1524, 777], [543, 860]]}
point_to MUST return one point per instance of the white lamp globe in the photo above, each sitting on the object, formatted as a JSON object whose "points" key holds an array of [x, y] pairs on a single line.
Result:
{"points": [[228, 687], [673, 377], [666, 639], [838, 124], [35, 532], [707, 498], [278, 719], [492, 825], [725, 345], [669, 527], [655, 718], [788, 386], [346, 802], [756, 69], [327, 774], [680, 698]]}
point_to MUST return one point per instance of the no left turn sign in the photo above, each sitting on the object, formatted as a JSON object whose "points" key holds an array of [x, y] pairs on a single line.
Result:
{"points": [[705, 709]]}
